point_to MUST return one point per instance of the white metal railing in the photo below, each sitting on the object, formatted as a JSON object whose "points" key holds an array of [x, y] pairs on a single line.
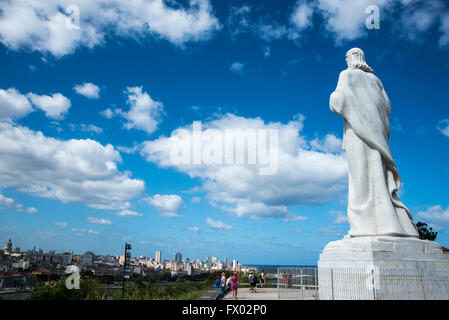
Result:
{"points": [[377, 283], [373, 283]]}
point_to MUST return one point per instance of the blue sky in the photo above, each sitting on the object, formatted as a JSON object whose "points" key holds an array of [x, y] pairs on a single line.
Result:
{"points": [[86, 113]]}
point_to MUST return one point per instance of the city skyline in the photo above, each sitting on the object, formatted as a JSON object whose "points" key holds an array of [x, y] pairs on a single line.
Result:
{"points": [[89, 118]]}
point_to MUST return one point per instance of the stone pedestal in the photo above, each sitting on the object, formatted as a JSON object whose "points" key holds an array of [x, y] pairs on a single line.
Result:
{"points": [[383, 268]]}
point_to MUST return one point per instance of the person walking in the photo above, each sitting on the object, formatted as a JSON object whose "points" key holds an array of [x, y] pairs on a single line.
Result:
{"points": [[262, 279], [252, 281], [234, 285], [222, 285], [284, 280], [228, 283]]}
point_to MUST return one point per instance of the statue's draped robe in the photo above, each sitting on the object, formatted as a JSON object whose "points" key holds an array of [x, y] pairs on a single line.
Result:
{"points": [[374, 207]]}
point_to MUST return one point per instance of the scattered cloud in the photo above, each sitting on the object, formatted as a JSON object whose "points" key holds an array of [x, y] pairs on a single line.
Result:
{"points": [[435, 216], [166, 205], [91, 128], [273, 241], [13, 104], [54, 106], [196, 199], [444, 29], [305, 176], [6, 201], [271, 31], [302, 15], [31, 210], [237, 67], [194, 228], [443, 127], [340, 217], [107, 113], [330, 144], [330, 232], [128, 150], [67, 170], [128, 213], [51, 27], [266, 51], [144, 113], [345, 20], [88, 89], [238, 20], [98, 220], [217, 224], [81, 232], [61, 225]]}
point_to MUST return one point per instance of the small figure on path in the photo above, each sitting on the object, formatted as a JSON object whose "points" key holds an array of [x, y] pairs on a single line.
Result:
{"points": [[234, 285], [262, 279]]}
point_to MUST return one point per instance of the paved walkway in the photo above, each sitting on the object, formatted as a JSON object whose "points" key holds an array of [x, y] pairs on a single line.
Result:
{"points": [[271, 294]]}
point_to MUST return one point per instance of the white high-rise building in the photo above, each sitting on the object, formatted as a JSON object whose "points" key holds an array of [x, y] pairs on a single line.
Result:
{"points": [[158, 256], [234, 264]]}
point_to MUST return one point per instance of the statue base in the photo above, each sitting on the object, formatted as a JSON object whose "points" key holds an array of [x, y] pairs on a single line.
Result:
{"points": [[383, 268]]}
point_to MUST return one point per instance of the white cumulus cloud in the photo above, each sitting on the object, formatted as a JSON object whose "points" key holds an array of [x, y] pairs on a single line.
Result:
{"points": [[128, 213], [50, 27], [144, 113], [166, 205], [54, 106], [88, 89], [6, 200], [68, 170], [305, 176], [98, 220], [435, 216], [13, 104], [302, 15], [32, 210], [217, 224]]}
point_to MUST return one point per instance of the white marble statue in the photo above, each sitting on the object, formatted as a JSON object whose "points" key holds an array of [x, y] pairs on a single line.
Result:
{"points": [[374, 208]]}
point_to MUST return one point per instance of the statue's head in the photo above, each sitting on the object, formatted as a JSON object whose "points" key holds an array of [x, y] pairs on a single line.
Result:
{"points": [[355, 59]]}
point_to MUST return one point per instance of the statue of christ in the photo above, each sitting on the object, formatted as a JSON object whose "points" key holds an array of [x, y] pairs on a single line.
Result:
{"points": [[374, 208]]}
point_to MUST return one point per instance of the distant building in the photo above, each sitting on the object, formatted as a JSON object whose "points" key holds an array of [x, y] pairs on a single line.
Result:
{"points": [[178, 257], [234, 264], [67, 258], [16, 250], [88, 258], [189, 269], [8, 247], [158, 256]]}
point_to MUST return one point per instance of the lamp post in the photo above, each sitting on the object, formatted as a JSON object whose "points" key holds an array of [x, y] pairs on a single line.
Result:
{"points": [[126, 271]]}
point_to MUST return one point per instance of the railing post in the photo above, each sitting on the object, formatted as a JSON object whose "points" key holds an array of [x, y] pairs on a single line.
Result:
{"points": [[279, 292], [332, 283], [316, 284], [374, 284], [302, 285], [422, 283]]}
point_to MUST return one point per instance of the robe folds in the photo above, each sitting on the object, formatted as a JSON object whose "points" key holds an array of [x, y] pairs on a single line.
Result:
{"points": [[374, 207]]}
